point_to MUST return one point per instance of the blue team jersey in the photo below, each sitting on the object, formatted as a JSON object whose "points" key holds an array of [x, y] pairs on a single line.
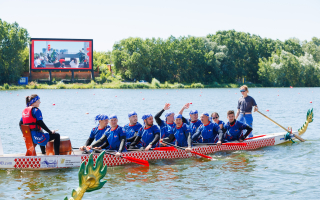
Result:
{"points": [[113, 136], [165, 129], [234, 132], [97, 133], [194, 126], [131, 130], [181, 135], [147, 135], [207, 133]]}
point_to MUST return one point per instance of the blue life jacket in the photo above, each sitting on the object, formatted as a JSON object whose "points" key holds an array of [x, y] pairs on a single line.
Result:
{"points": [[234, 132], [209, 133], [97, 133], [147, 135], [194, 126], [181, 135], [131, 130], [113, 136]]}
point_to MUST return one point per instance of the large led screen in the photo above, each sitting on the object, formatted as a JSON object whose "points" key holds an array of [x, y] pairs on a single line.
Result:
{"points": [[61, 54]]}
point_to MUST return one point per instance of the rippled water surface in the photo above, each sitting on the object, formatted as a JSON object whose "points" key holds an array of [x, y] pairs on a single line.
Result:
{"points": [[288, 171]]}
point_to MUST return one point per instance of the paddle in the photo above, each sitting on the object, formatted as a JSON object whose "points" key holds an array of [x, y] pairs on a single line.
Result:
{"points": [[190, 151], [294, 135], [135, 160], [225, 144]]}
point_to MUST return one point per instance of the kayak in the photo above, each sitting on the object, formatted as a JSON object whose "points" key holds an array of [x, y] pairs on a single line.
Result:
{"points": [[45, 162]]}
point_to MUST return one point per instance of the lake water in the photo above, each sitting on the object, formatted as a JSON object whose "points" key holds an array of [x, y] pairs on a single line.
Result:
{"points": [[289, 171]]}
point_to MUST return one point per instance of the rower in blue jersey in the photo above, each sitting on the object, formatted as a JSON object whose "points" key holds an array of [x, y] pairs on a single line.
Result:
{"points": [[234, 130], [132, 128], [194, 123], [215, 119], [180, 134], [98, 131], [208, 132], [113, 139], [149, 135], [168, 123]]}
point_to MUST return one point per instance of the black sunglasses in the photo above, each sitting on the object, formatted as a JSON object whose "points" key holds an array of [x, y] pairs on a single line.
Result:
{"points": [[215, 117]]}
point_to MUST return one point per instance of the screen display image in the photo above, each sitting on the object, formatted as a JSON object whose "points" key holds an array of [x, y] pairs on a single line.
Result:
{"points": [[61, 54]]}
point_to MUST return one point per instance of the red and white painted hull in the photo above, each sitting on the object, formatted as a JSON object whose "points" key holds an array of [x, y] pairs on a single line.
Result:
{"points": [[43, 162]]}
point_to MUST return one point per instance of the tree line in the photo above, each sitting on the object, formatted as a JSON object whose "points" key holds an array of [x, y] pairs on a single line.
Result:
{"points": [[223, 57]]}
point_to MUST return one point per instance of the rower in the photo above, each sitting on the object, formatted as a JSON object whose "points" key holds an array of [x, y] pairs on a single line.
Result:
{"points": [[181, 133], [245, 104], [132, 128], [215, 119], [208, 132], [98, 131], [194, 123], [148, 135], [114, 138], [165, 125], [234, 130], [32, 116]]}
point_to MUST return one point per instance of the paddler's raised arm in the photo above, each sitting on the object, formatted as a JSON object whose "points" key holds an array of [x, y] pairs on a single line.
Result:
{"points": [[157, 117], [186, 106]]}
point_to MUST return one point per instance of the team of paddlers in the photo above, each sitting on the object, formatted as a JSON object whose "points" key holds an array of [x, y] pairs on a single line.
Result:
{"points": [[175, 129]]}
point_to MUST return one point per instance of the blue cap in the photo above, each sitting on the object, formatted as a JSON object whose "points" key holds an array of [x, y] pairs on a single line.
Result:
{"points": [[113, 116], [169, 113], [146, 116], [206, 114], [177, 116], [193, 112], [101, 117], [131, 114]]}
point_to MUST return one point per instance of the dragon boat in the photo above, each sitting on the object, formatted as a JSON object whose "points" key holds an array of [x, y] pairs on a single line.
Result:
{"points": [[45, 162]]}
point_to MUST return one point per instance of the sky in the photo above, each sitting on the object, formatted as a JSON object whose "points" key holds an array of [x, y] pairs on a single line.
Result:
{"points": [[108, 22]]}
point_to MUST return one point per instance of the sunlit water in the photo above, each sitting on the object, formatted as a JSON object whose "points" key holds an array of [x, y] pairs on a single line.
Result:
{"points": [[289, 171]]}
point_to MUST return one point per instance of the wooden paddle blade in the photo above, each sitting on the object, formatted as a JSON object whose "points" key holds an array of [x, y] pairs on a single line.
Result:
{"points": [[165, 149], [136, 160], [201, 155], [235, 144]]}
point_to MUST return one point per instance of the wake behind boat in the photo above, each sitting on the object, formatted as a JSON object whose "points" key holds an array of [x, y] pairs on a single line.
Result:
{"points": [[45, 162]]}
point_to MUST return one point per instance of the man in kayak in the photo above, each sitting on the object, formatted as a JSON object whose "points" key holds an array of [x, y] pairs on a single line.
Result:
{"points": [[208, 132], [149, 135], [113, 139], [181, 134], [98, 131], [233, 130], [132, 128], [194, 123]]}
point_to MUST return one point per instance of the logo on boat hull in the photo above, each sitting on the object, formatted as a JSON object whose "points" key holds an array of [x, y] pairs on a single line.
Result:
{"points": [[46, 163]]}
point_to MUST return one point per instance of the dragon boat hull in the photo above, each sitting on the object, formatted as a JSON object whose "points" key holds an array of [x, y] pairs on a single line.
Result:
{"points": [[43, 162]]}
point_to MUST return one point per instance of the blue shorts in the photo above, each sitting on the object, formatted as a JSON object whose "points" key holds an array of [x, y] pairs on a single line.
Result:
{"points": [[247, 119], [40, 138]]}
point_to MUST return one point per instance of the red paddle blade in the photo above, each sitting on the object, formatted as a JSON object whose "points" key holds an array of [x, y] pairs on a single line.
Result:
{"points": [[136, 160], [201, 155], [165, 149], [235, 144]]}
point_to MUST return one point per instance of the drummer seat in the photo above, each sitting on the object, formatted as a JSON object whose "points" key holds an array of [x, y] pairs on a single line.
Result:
{"points": [[31, 151]]}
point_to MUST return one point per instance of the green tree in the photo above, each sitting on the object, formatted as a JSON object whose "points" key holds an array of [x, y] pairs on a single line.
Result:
{"points": [[13, 41]]}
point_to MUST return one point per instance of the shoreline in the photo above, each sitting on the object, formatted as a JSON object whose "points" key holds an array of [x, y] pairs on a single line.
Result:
{"points": [[121, 85]]}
